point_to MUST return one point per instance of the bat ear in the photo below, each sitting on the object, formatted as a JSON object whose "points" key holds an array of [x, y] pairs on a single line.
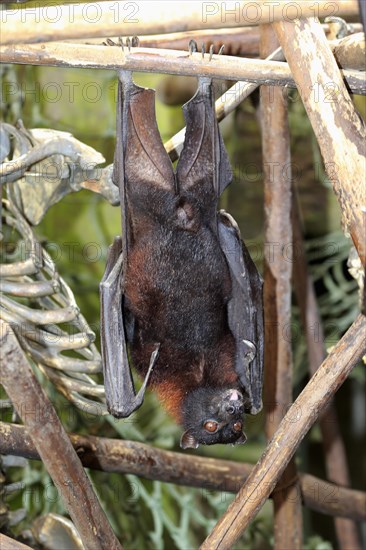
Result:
{"points": [[242, 439], [188, 441]]}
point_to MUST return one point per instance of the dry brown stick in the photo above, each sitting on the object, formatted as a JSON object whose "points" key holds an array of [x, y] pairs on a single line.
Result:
{"points": [[53, 445], [334, 450], [243, 41], [131, 457], [277, 292], [129, 18], [6, 543], [161, 61], [297, 422], [340, 131]]}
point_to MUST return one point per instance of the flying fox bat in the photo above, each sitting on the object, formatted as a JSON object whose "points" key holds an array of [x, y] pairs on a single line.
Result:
{"points": [[180, 295]]}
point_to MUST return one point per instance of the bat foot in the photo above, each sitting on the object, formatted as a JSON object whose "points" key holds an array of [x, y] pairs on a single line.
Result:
{"points": [[130, 42], [192, 48]]}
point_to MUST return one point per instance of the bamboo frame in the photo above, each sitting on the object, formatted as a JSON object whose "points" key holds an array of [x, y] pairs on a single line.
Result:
{"points": [[129, 18], [351, 133]]}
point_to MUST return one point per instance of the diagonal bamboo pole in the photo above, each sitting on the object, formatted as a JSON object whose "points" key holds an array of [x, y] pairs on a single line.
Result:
{"points": [[53, 445], [277, 293], [297, 422], [334, 449], [6, 543], [340, 131], [104, 19]]}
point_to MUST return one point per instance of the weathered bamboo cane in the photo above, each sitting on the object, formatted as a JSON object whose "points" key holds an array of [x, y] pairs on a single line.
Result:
{"points": [[340, 131], [334, 449], [6, 543], [53, 445], [277, 293], [128, 18]]}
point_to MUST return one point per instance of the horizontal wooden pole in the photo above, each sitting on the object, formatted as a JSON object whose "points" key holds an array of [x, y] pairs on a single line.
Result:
{"points": [[161, 61], [131, 457], [52, 22]]}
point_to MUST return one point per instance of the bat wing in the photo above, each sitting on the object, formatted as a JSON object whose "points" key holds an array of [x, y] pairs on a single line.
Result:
{"points": [[119, 387], [245, 311], [140, 160], [203, 168]]}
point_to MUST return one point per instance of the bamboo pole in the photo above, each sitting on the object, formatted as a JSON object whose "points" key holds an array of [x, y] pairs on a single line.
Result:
{"points": [[54, 54], [131, 457], [334, 449], [53, 445], [104, 19], [277, 292], [6, 543], [339, 129], [296, 423], [244, 41]]}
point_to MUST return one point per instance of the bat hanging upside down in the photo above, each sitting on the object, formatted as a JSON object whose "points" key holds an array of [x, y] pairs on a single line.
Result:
{"points": [[180, 292]]}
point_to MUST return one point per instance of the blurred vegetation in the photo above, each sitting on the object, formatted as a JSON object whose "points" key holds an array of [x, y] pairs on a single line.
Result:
{"points": [[147, 514]]}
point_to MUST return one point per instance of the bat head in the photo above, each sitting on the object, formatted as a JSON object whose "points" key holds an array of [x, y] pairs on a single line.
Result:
{"points": [[213, 415]]}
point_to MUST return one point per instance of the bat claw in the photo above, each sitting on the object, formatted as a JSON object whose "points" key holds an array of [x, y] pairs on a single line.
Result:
{"points": [[221, 49], [192, 46], [203, 50], [338, 26], [133, 42], [211, 51], [109, 42]]}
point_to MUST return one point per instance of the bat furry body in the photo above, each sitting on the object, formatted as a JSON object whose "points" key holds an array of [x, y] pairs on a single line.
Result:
{"points": [[180, 287]]}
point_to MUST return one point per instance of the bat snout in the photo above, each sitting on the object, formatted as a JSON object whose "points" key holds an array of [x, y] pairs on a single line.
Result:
{"points": [[233, 402], [233, 395]]}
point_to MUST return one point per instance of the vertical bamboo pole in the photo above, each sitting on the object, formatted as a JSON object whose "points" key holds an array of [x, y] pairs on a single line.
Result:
{"points": [[334, 450], [277, 293]]}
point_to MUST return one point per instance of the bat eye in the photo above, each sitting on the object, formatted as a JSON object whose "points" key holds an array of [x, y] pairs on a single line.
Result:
{"points": [[210, 426], [237, 426]]}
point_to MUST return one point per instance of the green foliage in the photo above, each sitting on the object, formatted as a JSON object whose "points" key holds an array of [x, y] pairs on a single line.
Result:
{"points": [[317, 543]]}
